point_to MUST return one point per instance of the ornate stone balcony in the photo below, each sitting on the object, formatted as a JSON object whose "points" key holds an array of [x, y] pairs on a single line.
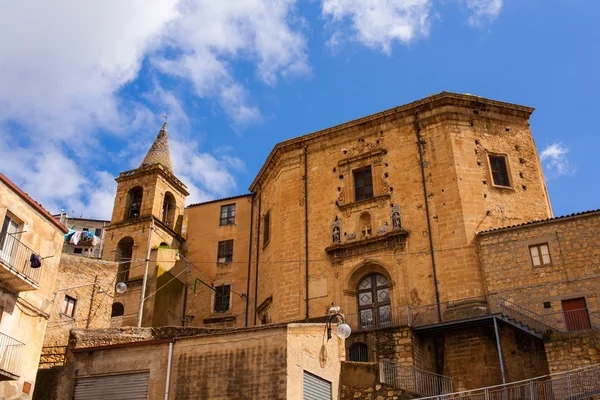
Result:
{"points": [[396, 239]]}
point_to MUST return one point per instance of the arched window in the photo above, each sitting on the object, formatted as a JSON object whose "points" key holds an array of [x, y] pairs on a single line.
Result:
{"points": [[374, 307], [123, 257], [365, 225], [117, 310], [168, 210], [134, 202], [358, 352]]}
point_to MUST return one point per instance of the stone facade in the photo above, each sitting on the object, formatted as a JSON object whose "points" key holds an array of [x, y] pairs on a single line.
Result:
{"points": [[361, 381], [26, 295], [572, 350], [147, 223], [456, 134], [257, 363], [202, 244], [573, 271], [91, 283]]}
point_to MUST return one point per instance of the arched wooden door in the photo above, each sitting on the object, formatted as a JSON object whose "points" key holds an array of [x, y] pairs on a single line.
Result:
{"points": [[374, 302]]}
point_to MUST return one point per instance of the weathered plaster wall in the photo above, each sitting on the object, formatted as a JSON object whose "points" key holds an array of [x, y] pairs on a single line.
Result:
{"points": [[24, 315]]}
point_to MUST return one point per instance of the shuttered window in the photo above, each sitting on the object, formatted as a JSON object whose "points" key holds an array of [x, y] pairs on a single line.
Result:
{"points": [[315, 388], [499, 170], [115, 387], [363, 184]]}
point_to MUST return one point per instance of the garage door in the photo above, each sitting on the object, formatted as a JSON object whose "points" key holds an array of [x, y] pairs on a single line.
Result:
{"points": [[316, 388], [114, 387]]}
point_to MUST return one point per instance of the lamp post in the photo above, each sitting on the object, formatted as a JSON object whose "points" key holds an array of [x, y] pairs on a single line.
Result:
{"points": [[343, 329]]}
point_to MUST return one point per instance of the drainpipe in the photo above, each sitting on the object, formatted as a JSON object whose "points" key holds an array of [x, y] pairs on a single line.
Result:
{"points": [[433, 266], [185, 290], [306, 225], [249, 259], [257, 256], [169, 362]]}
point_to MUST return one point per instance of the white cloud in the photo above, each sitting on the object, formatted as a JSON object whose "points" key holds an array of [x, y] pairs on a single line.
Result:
{"points": [[377, 23], [482, 11], [62, 61], [212, 34], [63, 65], [555, 161]]}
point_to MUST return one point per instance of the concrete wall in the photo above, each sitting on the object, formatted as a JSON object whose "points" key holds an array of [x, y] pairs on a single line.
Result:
{"points": [[261, 363], [24, 315], [204, 233]]}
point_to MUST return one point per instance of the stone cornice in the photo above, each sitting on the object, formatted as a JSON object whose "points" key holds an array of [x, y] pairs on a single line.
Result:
{"points": [[427, 104], [152, 169], [340, 251]]}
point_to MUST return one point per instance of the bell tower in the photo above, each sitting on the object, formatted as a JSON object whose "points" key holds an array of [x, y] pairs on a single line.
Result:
{"points": [[148, 212]]}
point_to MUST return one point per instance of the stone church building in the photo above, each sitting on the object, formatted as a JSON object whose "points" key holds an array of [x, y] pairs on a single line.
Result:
{"points": [[429, 225]]}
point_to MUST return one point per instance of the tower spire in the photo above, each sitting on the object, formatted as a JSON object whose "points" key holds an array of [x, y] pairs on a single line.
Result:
{"points": [[159, 152]]}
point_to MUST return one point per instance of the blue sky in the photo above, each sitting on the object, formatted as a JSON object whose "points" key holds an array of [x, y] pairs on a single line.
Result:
{"points": [[84, 85]]}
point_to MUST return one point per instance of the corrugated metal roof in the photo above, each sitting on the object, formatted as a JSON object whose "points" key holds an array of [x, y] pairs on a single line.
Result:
{"points": [[540, 221]]}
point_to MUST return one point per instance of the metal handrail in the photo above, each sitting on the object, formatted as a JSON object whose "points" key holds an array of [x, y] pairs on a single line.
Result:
{"points": [[17, 256], [573, 320], [578, 383], [414, 379], [10, 354]]}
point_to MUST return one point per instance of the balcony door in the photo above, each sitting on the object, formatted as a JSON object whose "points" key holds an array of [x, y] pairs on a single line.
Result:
{"points": [[7, 238], [576, 314], [374, 302]]}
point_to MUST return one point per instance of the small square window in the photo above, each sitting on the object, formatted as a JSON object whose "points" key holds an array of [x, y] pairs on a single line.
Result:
{"points": [[69, 306], [540, 255], [222, 295], [227, 215], [363, 184], [499, 168], [225, 251], [77, 250], [98, 232], [547, 304], [267, 228]]}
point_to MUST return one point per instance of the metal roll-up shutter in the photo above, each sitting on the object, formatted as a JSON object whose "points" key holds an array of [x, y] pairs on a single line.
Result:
{"points": [[316, 388], [115, 387]]}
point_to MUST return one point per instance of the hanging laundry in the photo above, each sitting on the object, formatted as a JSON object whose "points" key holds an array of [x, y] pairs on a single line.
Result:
{"points": [[70, 234], [35, 261], [75, 238]]}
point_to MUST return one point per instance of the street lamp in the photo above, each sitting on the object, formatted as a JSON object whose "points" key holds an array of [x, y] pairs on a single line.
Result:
{"points": [[343, 329]]}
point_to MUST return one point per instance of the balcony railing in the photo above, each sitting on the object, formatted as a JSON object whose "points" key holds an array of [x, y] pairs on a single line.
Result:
{"points": [[394, 316], [572, 320], [414, 379], [582, 383], [15, 256], [10, 357]]}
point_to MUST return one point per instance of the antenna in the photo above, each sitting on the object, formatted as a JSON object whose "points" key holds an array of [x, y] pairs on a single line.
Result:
{"points": [[165, 116]]}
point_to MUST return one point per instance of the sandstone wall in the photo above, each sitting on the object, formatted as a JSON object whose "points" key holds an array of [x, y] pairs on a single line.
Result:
{"points": [[204, 233], [572, 350], [457, 133], [361, 381], [574, 244]]}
